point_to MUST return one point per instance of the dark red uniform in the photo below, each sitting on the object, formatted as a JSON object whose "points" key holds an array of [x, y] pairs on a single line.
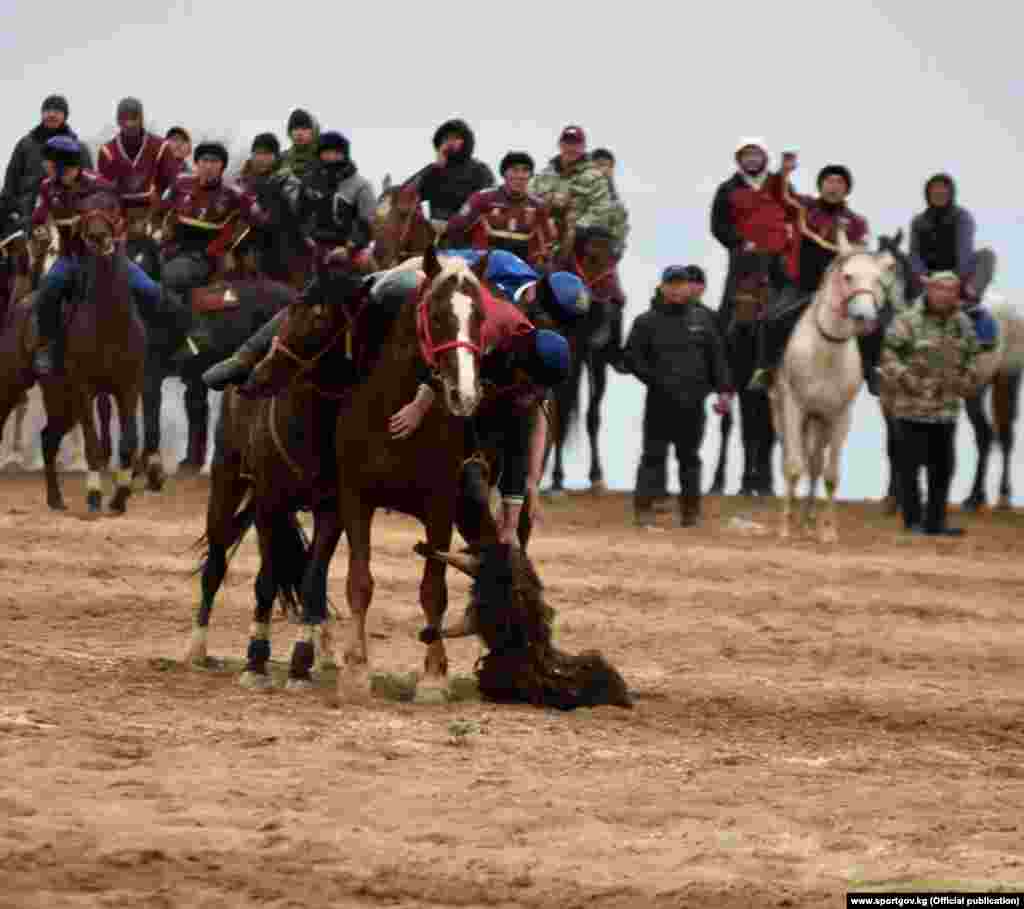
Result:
{"points": [[62, 203], [495, 219], [207, 215], [142, 178]]}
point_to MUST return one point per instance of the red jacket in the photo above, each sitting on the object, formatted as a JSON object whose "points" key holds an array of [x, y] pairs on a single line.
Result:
{"points": [[62, 204], [823, 221], [206, 215], [152, 169], [505, 327], [742, 214]]}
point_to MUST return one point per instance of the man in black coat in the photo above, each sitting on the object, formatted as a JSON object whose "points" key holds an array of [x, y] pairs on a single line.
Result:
{"points": [[26, 169], [676, 350]]}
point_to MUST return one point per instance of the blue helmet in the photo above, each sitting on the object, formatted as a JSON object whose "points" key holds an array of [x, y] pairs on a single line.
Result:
{"points": [[564, 297], [550, 361], [64, 151]]}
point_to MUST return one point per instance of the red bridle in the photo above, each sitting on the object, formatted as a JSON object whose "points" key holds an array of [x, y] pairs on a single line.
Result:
{"points": [[428, 349]]}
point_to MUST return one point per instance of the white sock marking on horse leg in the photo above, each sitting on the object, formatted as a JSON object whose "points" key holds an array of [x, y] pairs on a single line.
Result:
{"points": [[93, 481], [260, 631], [155, 460], [124, 477], [462, 304]]}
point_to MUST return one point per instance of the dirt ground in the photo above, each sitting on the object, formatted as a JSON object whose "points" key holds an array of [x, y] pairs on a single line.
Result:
{"points": [[807, 720]]}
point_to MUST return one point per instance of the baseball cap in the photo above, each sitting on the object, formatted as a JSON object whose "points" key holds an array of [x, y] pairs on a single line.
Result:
{"points": [[573, 134]]}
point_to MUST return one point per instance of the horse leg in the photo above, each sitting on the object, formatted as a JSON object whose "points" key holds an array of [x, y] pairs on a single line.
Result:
{"points": [[814, 455], [1005, 397], [17, 443], [597, 373], [227, 490], [433, 687], [836, 442], [128, 445], [314, 636], [983, 436], [104, 414], [718, 484], [197, 409], [152, 404], [353, 664], [266, 589], [93, 453], [792, 422]]}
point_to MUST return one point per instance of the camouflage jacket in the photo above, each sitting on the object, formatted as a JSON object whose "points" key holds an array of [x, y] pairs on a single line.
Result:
{"points": [[928, 365], [588, 193]]}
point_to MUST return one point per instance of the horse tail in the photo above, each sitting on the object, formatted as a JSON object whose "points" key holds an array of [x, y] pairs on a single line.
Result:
{"points": [[241, 521], [290, 552], [567, 400], [522, 663]]}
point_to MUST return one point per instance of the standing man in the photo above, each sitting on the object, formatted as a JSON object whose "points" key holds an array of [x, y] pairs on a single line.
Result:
{"points": [[26, 169], [929, 362], [675, 349]]}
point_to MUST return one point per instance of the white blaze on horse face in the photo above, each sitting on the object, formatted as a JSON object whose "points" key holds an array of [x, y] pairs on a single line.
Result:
{"points": [[466, 380]]}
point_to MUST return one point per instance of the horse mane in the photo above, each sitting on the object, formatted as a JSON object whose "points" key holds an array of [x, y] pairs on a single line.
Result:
{"points": [[522, 664]]}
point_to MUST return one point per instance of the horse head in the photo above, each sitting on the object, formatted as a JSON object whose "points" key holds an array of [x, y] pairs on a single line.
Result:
{"points": [[903, 284], [399, 228], [450, 310], [855, 286], [101, 224]]}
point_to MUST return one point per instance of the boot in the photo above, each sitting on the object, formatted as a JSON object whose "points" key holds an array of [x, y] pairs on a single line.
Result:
{"points": [[195, 456], [235, 370], [48, 357], [689, 509]]}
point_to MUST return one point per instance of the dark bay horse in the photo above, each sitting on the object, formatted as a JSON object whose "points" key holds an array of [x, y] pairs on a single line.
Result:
{"points": [[105, 352], [400, 229], [418, 476], [750, 293], [595, 344]]}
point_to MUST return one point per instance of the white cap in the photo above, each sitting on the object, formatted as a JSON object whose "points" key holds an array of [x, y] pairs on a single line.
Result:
{"points": [[747, 141]]}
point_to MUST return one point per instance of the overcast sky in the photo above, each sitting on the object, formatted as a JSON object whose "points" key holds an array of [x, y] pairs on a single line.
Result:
{"points": [[896, 92]]}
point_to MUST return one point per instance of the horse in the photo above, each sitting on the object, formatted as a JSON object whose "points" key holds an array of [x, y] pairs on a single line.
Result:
{"points": [[522, 664], [746, 303], [595, 344], [820, 376], [400, 229], [104, 353], [999, 369], [418, 476]]}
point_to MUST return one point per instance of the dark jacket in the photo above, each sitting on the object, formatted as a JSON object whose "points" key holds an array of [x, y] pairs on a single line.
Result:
{"points": [[942, 239], [25, 170], [448, 188], [677, 352]]}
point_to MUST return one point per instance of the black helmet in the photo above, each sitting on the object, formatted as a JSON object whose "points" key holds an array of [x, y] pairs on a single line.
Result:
{"points": [[211, 149]]}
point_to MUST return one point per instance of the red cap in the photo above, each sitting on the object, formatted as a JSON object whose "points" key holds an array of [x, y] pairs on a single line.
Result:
{"points": [[573, 135]]}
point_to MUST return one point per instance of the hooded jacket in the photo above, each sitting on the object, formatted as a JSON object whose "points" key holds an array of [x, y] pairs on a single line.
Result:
{"points": [[26, 169], [448, 187], [942, 239], [299, 160]]}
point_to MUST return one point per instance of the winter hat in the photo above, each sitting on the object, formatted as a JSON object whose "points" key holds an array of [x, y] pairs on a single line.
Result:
{"points": [[300, 119], [129, 107], [452, 127], [214, 149], [941, 178], [515, 159], [574, 135], [266, 142], [333, 140], [602, 154], [751, 142], [56, 102], [835, 170]]}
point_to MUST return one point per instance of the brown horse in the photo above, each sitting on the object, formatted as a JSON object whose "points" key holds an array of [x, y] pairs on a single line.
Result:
{"points": [[400, 229], [105, 352], [418, 476], [276, 455]]}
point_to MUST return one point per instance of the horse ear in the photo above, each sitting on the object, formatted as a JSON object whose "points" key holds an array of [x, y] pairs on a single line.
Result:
{"points": [[386, 185], [897, 239], [431, 266], [887, 261], [479, 268]]}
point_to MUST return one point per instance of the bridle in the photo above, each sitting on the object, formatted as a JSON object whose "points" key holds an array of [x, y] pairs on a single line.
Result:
{"points": [[306, 365], [842, 306], [428, 349]]}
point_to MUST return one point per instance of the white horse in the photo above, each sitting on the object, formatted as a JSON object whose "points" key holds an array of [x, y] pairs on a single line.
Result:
{"points": [[813, 394]]}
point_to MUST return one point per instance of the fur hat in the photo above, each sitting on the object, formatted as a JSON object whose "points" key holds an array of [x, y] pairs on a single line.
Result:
{"points": [[516, 159], [215, 149], [835, 170]]}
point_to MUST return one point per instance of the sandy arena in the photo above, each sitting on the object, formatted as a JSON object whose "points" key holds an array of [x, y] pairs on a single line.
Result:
{"points": [[807, 719]]}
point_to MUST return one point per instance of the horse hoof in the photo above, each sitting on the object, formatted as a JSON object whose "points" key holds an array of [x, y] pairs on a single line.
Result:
{"points": [[556, 493], [155, 478], [1004, 504], [974, 504], [255, 681], [118, 504], [56, 504], [598, 488], [299, 685]]}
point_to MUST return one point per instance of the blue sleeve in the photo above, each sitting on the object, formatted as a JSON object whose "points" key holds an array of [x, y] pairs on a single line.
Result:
{"points": [[60, 274], [143, 284]]}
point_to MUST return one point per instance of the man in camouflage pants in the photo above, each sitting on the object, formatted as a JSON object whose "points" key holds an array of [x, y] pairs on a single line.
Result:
{"points": [[929, 362]]}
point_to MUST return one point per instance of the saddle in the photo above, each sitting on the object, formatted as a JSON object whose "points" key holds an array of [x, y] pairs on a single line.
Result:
{"points": [[216, 297]]}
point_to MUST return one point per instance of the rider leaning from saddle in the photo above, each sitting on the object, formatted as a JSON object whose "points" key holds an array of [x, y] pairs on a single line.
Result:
{"points": [[520, 365], [204, 208], [818, 223], [141, 166], [278, 192], [942, 239], [60, 198], [508, 217], [447, 183], [336, 206], [929, 362]]}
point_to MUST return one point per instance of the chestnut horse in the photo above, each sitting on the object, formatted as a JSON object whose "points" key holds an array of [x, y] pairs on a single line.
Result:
{"points": [[105, 352], [418, 476], [400, 229]]}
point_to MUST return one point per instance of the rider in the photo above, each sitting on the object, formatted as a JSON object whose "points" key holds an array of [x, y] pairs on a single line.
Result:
{"points": [[278, 192], [942, 239], [205, 208], [820, 220], [59, 198], [573, 183], [605, 161], [300, 159], [336, 207], [181, 146], [509, 217], [448, 182], [141, 166]]}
